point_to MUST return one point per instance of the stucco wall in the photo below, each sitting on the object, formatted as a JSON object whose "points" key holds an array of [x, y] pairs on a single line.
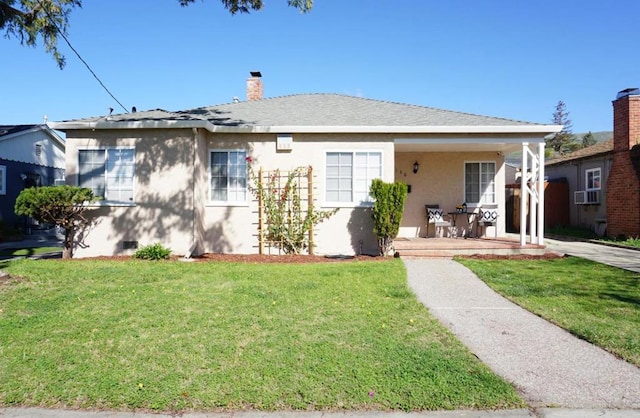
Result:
{"points": [[172, 190], [234, 228], [163, 191]]}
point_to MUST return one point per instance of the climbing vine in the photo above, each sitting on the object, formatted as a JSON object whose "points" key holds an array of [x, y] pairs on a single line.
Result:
{"points": [[287, 213]]}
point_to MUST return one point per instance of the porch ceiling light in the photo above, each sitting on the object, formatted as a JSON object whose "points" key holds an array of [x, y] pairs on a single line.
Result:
{"points": [[416, 166]]}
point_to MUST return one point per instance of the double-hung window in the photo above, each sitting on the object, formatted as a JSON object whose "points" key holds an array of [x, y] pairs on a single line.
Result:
{"points": [[479, 182], [592, 179], [593, 184], [228, 171], [349, 175], [108, 173]]}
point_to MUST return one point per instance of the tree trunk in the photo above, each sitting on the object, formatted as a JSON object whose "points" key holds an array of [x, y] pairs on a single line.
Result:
{"points": [[384, 245], [67, 249]]}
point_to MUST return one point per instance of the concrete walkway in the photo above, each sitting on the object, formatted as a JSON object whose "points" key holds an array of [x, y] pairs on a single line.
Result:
{"points": [[549, 366], [614, 256]]}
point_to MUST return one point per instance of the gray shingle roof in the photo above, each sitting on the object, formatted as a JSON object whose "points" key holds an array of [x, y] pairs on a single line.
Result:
{"points": [[600, 148], [12, 129], [318, 110]]}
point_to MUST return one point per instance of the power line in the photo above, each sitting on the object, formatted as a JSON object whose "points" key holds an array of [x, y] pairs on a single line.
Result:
{"points": [[79, 57]]}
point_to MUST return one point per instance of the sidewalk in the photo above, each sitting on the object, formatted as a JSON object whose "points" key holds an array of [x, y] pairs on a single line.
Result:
{"points": [[549, 366], [33, 241]]}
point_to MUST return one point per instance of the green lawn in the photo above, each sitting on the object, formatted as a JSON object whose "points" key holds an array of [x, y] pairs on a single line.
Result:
{"points": [[598, 303], [172, 336], [572, 231], [629, 242]]}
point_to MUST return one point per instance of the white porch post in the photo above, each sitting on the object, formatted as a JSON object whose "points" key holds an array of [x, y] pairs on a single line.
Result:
{"points": [[524, 194], [541, 194], [532, 194], [532, 190]]}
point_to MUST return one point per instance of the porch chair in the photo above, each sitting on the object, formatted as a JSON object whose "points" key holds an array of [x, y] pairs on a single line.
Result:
{"points": [[488, 216], [436, 216]]}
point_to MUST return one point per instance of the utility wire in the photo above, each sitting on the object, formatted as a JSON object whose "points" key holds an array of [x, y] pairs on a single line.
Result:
{"points": [[79, 57]]}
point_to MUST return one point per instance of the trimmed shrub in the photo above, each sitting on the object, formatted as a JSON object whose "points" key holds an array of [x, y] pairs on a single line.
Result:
{"points": [[65, 206], [387, 212]]}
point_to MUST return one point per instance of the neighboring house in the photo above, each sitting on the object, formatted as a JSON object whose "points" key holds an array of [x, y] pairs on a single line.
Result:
{"points": [[180, 178], [623, 184], [30, 155], [604, 179], [586, 171]]}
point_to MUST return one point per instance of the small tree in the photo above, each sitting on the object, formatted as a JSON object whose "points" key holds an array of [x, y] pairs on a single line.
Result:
{"points": [[588, 139], [562, 142], [64, 206], [387, 211]]}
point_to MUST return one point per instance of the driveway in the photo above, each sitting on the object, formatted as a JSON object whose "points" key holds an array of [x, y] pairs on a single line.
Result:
{"points": [[614, 256]]}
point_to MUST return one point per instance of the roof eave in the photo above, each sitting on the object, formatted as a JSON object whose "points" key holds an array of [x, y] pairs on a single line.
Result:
{"points": [[188, 124], [559, 161], [147, 124], [44, 128]]}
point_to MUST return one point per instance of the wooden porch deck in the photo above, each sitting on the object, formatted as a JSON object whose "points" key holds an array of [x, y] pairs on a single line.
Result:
{"points": [[450, 247]]}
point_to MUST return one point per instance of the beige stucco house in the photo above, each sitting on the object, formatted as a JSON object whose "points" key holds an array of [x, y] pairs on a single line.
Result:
{"points": [[180, 178]]}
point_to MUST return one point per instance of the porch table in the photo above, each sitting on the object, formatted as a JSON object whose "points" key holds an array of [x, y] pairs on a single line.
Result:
{"points": [[468, 232]]}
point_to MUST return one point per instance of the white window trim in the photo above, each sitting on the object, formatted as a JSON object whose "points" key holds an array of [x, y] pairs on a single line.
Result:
{"points": [[332, 204], [105, 202], [3, 183], [464, 185], [226, 203], [586, 178]]}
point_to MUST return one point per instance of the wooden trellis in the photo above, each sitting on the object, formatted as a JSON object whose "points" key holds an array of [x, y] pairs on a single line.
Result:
{"points": [[276, 181]]}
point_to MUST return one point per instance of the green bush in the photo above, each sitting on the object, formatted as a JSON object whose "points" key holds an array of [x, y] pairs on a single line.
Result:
{"points": [[152, 252], [387, 211]]}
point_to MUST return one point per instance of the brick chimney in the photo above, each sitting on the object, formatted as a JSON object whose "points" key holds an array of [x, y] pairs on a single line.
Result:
{"points": [[254, 86], [623, 184]]}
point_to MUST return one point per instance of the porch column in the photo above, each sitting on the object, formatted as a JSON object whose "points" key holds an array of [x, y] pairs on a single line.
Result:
{"points": [[532, 190], [541, 194], [532, 194], [524, 195]]}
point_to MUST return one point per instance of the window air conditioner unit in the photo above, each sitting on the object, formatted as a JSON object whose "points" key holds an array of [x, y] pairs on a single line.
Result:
{"points": [[59, 182], [586, 197]]}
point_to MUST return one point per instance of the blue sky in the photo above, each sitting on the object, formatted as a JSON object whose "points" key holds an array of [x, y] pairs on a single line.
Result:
{"points": [[505, 58]]}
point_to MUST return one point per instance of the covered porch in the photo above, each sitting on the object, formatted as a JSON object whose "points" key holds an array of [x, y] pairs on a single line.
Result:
{"points": [[451, 170]]}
